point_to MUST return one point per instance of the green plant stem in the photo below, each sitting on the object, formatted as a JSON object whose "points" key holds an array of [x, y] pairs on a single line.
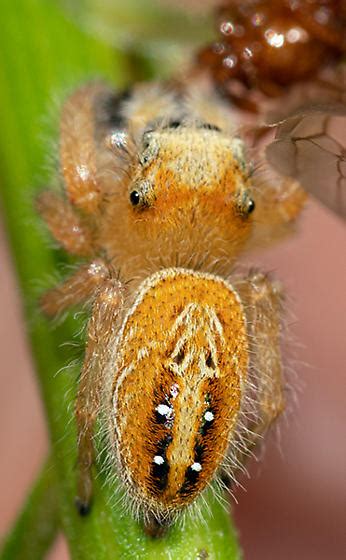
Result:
{"points": [[42, 52], [38, 523]]}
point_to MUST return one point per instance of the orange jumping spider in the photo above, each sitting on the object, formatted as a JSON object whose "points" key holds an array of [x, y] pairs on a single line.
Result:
{"points": [[182, 360]]}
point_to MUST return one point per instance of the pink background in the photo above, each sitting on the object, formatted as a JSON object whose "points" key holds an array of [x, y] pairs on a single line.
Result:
{"points": [[295, 504]]}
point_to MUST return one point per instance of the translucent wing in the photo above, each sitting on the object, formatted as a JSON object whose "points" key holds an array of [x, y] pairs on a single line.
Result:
{"points": [[310, 146]]}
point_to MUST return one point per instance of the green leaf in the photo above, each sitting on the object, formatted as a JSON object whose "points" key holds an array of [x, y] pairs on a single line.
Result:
{"points": [[38, 523]]}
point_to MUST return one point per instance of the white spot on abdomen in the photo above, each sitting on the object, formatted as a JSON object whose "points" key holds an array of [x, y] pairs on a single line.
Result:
{"points": [[163, 409]]}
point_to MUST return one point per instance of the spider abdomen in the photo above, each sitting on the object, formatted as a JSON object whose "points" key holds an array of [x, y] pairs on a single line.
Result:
{"points": [[182, 358]]}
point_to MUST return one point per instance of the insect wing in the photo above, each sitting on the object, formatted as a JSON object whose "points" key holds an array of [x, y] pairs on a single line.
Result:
{"points": [[310, 147]]}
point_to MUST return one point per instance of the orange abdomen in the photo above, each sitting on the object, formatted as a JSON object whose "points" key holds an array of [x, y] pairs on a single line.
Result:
{"points": [[182, 358]]}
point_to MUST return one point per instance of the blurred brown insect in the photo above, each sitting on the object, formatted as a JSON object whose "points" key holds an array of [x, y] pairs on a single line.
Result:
{"points": [[183, 357], [268, 47]]}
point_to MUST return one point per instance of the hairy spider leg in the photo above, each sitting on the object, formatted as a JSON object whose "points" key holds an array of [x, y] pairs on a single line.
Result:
{"points": [[79, 287], [262, 303], [66, 226], [101, 332], [78, 148]]}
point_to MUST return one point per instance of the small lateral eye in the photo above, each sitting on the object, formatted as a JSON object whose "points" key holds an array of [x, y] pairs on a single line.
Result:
{"points": [[135, 198], [251, 206], [245, 204]]}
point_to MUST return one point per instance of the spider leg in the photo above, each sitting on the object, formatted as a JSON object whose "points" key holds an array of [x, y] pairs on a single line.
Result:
{"points": [[264, 317], [100, 335], [77, 288], [64, 224], [279, 202], [262, 302], [78, 146]]}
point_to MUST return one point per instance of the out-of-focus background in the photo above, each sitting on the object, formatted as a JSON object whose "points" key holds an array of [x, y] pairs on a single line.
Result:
{"points": [[295, 502]]}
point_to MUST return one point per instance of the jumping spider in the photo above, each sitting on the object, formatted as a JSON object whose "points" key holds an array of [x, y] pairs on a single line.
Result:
{"points": [[182, 360]]}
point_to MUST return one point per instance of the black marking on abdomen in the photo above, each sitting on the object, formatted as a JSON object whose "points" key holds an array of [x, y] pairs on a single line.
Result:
{"points": [[206, 424], [209, 362], [191, 475], [160, 472], [160, 418], [200, 450]]}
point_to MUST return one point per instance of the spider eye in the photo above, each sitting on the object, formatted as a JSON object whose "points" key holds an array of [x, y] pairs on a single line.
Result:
{"points": [[134, 198], [245, 204], [251, 206], [142, 196]]}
